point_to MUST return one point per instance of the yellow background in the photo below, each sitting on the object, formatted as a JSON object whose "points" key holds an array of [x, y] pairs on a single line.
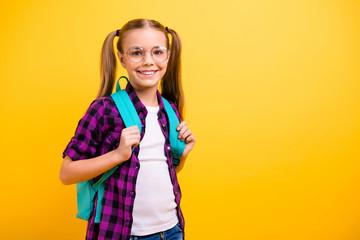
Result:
{"points": [[273, 99]]}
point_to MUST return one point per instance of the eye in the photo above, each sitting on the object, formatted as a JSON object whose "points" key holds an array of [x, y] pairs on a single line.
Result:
{"points": [[136, 53], [158, 51]]}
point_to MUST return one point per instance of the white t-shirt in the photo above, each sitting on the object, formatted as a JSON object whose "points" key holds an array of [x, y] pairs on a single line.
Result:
{"points": [[154, 206]]}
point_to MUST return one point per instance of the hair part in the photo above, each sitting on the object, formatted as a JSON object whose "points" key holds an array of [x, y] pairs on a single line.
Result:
{"points": [[170, 84]]}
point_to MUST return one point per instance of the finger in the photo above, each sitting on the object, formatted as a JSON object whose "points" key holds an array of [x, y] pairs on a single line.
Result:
{"points": [[185, 135], [132, 136], [131, 141], [181, 125], [190, 139], [182, 131], [135, 142], [130, 130]]}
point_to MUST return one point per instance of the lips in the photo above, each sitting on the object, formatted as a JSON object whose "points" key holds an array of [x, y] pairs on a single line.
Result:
{"points": [[147, 72]]}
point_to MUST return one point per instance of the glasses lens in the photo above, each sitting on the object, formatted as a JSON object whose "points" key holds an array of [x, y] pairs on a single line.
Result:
{"points": [[136, 54], [159, 53]]}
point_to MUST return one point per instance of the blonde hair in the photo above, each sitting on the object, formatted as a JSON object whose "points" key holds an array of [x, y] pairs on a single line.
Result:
{"points": [[170, 85]]}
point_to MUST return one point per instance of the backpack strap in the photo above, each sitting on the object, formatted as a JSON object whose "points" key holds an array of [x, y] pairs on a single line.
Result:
{"points": [[126, 109], [125, 106], [131, 118], [177, 146]]}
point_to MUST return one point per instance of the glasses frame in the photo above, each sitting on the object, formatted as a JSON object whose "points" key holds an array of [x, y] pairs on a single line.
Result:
{"points": [[143, 56]]}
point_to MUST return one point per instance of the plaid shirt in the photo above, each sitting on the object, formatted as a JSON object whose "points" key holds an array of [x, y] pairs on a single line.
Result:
{"points": [[97, 133]]}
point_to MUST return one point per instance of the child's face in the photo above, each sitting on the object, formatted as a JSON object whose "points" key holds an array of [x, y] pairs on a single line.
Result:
{"points": [[148, 72]]}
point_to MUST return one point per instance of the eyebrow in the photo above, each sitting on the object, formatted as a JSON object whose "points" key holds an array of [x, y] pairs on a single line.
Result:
{"points": [[138, 47]]}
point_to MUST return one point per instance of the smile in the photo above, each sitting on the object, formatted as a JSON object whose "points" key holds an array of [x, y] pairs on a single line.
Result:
{"points": [[148, 73]]}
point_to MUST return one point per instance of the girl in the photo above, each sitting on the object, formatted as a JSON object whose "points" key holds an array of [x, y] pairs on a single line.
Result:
{"points": [[142, 197]]}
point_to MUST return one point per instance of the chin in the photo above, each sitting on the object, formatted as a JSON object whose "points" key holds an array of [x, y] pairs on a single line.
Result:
{"points": [[147, 83]]}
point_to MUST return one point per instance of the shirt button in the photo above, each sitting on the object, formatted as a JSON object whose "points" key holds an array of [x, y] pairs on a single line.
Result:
{"points": [[168, 148]]}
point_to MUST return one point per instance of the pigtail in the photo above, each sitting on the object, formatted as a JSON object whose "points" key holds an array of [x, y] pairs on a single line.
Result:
{"points": [[171, 85], [107, 67]]}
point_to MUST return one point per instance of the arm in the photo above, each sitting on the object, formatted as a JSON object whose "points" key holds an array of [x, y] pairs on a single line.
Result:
{"points": [[185, 135], [83, 170]]}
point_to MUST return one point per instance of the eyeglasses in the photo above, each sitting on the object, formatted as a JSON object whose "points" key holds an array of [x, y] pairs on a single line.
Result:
{"points": [[137, 54]]}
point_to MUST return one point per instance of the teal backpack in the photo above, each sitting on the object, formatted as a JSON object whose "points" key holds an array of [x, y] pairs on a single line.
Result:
{"points": [[86, 190]]}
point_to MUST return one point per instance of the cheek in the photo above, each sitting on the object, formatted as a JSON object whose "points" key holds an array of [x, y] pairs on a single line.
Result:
{"points": [[131, 66], [163, 65]]}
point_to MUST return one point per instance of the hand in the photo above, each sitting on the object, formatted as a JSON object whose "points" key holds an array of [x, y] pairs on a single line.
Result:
{"points": [[130, 137], [186, 135]]}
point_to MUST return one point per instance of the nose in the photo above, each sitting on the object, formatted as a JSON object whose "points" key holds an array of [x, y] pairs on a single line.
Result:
{"points": [[148, 60]]}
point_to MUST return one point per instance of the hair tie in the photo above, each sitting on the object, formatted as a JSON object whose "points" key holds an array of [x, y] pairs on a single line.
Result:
{"points": [[117, 33], [166, 28]]}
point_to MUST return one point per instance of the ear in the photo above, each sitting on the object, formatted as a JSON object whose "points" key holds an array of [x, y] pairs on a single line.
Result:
{"points": [[121, 59]]}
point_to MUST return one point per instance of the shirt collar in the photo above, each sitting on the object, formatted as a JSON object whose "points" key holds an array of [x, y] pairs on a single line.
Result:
{"points": [[139, 106]]}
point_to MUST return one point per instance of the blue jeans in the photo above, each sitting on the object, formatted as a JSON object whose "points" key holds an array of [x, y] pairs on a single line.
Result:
{"points": [[174, 233]]}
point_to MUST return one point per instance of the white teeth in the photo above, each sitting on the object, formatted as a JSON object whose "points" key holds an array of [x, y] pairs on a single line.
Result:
{"points": [[148, 73]]}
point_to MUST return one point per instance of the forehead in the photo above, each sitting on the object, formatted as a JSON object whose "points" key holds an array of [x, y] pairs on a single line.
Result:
{"points": [[146, 38]]}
